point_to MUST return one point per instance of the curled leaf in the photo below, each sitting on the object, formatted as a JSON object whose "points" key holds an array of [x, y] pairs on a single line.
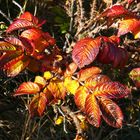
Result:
{"points": [[129, 25], [40, 81], [19, 24], [6, 47], [15, 66]]}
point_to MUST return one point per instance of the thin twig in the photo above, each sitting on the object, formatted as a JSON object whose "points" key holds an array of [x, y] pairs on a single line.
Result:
{"points": [[18, 5], [67, 110], [5, 16]]}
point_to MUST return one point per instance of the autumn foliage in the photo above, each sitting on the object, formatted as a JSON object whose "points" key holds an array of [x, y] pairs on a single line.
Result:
{"points": [[26, 46]]}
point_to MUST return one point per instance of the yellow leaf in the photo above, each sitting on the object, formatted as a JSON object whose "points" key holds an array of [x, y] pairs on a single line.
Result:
{"points": [[59, 120], [71, 85], [40, 81], [47, 75]]}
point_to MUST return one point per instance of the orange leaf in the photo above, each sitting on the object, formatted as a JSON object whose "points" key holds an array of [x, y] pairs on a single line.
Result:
{"points": [[72, 67], [85, 51], [129, 25], [111, 90], [38, 105], [6, 47], [111, 112], [92, 110], [96, 79], [84, 74], [80, 97], [56, 87], [27, 88]]}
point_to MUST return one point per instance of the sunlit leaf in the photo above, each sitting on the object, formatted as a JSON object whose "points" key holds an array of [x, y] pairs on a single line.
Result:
{"points": [[84, 74], [129, 25], [96, 79], [56, 87], [59, 120], [27, 88], [111, 112], [135, 76], [40, 81], [38, 105], [85, 51], [19, 24], [6, 47], [71, 85], [15, 66], [111, 90], [80, 97], [92, 110], [47, 75], [71, 68], [8, 56]]}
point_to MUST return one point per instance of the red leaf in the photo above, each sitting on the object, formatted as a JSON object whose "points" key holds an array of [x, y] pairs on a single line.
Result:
{"points": [[80, 97], [19, 24], [28, 46], [96, 79], [27, 88], [36, 36], [92, 110], [28, 16], [111, 112], [15, 66], [15, 41], [121, 58], [38, 105], [84, 74], [114, 11], [111, 90], [85, 51]]}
